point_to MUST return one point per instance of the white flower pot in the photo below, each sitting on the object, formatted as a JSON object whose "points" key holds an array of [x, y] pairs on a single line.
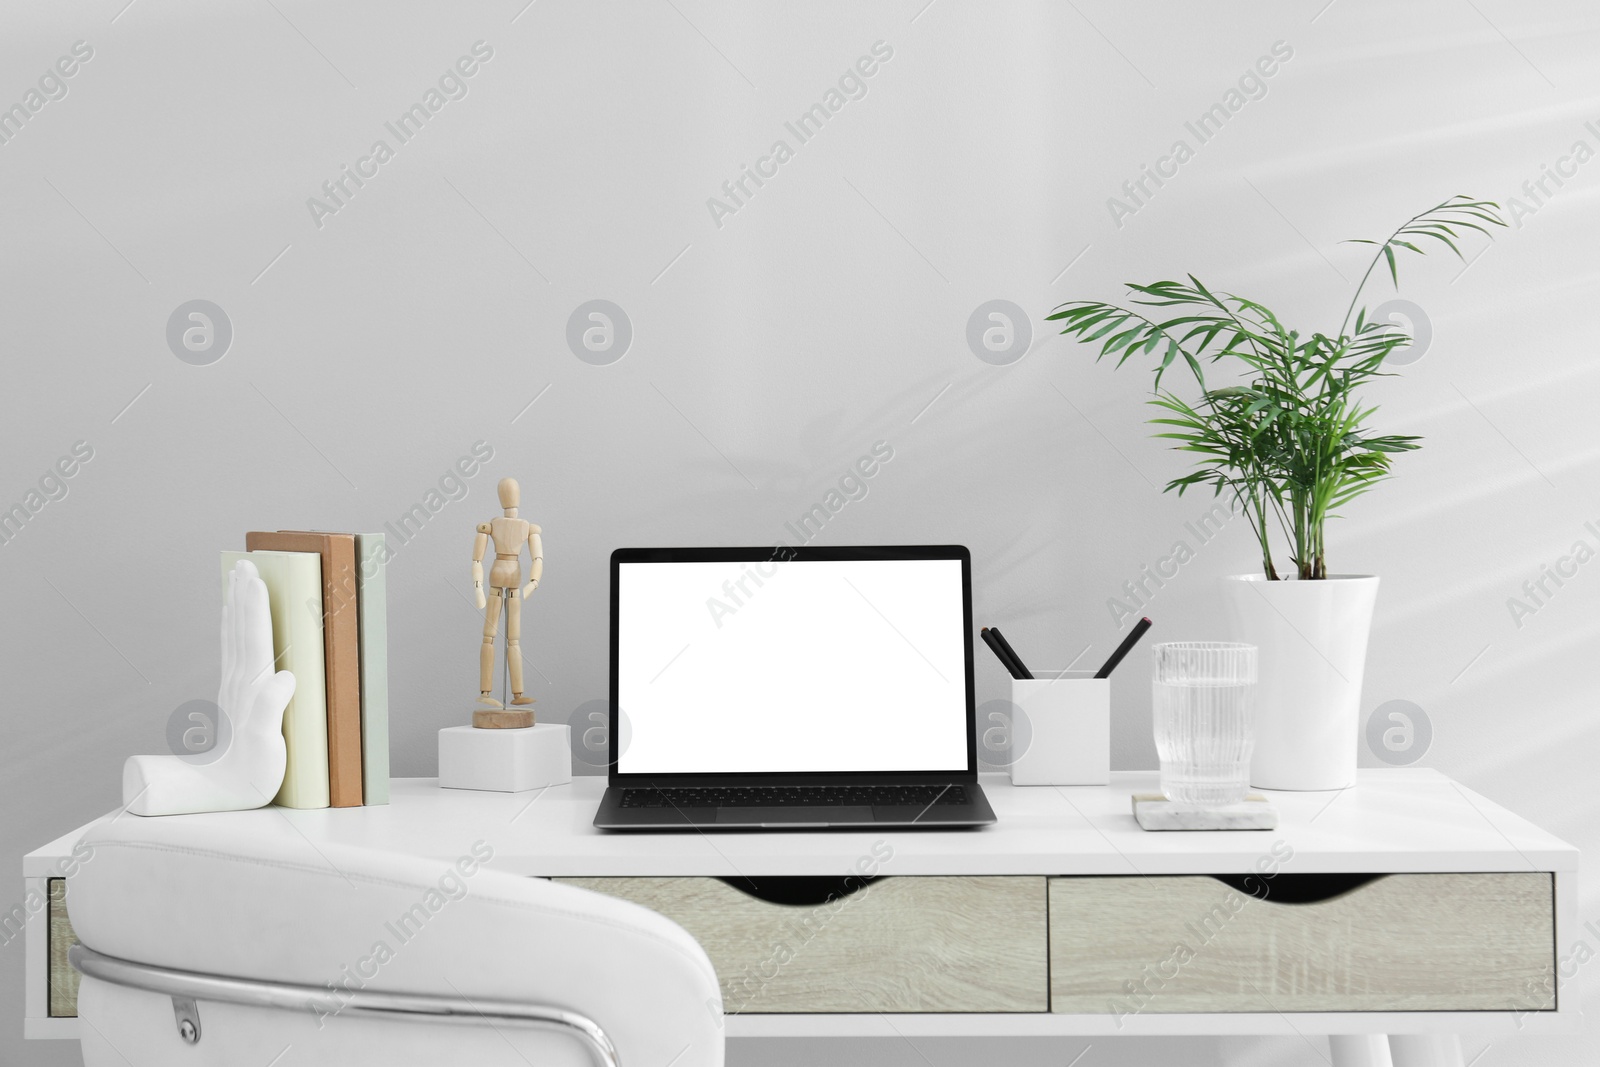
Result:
{"points": [[1312, 637]]}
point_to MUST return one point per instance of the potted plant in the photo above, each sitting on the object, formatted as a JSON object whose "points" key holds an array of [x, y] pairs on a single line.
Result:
{"points": [[1288, 437]]}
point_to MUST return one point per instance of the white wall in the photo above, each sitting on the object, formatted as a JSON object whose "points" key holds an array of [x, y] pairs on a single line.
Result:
{"points": [[827, 314]]}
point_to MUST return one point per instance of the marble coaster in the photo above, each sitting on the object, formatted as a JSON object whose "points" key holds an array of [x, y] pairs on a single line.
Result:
{"points": [[1156, 812]]}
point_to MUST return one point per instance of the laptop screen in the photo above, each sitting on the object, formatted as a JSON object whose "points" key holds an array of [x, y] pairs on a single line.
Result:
{"points": [[802, 666]]}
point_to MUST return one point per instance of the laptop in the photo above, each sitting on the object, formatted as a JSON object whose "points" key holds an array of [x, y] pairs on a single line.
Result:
{"points": [[792, 689]]}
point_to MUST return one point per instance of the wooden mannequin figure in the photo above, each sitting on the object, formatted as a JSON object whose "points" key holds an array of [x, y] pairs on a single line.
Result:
{"points": [[509, 533]]}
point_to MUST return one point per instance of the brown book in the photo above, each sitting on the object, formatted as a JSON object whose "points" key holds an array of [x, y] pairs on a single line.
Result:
{"points": [[341, 649]]}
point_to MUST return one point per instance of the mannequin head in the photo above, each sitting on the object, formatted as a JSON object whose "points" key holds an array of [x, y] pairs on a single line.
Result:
{"points": [[510, 494]]}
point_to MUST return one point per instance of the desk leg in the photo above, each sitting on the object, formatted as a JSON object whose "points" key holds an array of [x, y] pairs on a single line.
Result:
{"points": [[1426, 1050], [1360, 1050]]}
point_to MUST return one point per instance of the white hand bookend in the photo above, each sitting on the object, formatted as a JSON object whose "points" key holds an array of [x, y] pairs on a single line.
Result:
{"points": [[250, 771]]}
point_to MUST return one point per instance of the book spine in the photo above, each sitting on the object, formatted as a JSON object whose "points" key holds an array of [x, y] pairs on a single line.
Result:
{"points": [[373, 596], [343, 641]]}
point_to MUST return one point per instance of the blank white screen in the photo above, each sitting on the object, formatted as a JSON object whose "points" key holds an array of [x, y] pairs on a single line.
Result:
{"points": [[856, 665]]}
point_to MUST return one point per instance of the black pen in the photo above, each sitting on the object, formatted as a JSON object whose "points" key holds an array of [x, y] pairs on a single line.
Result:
{"points": [[1006, 645], [999, 653], [1122, 650]]}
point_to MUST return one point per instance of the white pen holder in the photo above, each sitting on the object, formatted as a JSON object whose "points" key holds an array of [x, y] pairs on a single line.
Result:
{"points": [[1061, 729]]}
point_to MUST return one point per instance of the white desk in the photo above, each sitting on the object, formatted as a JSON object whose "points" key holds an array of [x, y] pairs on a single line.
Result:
{"points": [[1395, 822]]}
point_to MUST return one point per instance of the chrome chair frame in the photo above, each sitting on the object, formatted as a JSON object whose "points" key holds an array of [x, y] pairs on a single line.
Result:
{"points": [[412, 1007]]}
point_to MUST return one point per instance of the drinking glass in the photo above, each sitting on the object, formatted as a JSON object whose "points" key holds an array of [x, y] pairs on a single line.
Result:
{"points": [[1203, 695]]}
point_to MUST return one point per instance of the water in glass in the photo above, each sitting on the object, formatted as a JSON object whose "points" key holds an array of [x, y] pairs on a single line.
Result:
{"points": [[1202, 697]]}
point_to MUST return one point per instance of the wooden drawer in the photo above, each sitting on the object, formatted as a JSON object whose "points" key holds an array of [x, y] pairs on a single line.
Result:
{"points": [[1403, 942], [904, 944], [63, 979]]}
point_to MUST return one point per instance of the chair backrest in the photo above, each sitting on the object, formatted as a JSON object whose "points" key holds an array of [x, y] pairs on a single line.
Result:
{"points": [[246, 897]]}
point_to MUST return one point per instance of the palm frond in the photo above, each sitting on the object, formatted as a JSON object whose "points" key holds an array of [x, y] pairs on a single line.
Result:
{"points": [[1446, 222], [1288, 438]]}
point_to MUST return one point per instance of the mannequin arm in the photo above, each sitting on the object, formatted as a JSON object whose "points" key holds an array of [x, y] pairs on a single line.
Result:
{"points": [[479, 547], [536, 550]]}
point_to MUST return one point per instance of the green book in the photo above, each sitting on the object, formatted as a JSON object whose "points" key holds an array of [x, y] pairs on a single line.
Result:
{"points": [[372, 596], [294, 597]]}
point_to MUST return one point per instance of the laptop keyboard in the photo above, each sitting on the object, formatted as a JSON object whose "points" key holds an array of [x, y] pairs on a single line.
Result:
{"points": [[780, 796]]}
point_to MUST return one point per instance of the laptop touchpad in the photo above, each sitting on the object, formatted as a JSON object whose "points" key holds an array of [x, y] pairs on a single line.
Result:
{"points": [[817, 815]]}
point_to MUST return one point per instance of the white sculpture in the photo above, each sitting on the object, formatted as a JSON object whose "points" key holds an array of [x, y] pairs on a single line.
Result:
{"points": [[250, 771]]}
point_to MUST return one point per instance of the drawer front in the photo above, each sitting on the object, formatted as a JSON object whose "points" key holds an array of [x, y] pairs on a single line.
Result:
{"points": [[905, 944], [63, 978], [1405, 942]]}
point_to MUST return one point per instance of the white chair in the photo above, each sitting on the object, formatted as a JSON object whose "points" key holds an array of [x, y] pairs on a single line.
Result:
{"points": [[202, 942]]}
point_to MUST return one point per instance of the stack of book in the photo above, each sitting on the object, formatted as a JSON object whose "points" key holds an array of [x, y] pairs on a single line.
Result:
{"points": [[329, 626]]}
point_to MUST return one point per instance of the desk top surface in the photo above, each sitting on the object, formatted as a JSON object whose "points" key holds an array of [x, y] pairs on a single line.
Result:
{"points": [[1392, 821]]}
